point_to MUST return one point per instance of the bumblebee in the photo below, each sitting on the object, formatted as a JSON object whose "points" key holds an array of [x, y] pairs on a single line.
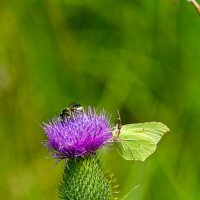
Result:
{"points": [[70, 110]]}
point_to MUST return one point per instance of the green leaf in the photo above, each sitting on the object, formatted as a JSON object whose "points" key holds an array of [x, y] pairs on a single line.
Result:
{"points": [[139, 141]]}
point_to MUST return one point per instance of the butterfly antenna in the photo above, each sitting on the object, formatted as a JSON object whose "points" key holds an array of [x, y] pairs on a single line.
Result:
{"points": [[119, 122]]}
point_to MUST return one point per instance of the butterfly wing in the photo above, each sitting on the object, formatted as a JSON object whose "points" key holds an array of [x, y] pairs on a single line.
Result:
{"points": [[139, 141]]}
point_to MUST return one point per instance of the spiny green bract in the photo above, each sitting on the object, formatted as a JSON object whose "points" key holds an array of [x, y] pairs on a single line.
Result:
{"points": [[84, 179]]}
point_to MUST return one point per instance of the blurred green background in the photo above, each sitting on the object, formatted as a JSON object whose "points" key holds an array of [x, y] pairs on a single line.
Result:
{"points": [[141, 57]]}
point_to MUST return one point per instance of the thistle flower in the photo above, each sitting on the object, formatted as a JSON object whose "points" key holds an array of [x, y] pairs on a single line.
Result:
{"points": [[78, 136]]}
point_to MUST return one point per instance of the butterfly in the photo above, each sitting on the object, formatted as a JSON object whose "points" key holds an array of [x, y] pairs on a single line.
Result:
{"points": [[138, 141]]}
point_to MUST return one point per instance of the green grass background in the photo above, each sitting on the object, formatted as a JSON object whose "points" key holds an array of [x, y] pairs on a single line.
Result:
{"points": [[139, 57]]}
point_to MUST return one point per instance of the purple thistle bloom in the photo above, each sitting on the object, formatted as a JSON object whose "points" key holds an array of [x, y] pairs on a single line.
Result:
{"points": [[78, 136]]}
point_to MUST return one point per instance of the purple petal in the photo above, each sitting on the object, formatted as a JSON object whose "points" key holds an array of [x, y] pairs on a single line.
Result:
{"points": [[80, 136]]}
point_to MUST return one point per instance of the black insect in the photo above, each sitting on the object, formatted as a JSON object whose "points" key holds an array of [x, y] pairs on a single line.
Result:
{"points": [[70, 111]]}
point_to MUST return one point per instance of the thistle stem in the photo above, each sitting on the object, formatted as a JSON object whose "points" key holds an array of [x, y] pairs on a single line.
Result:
{"points": [[84, 179], [196, 5]]}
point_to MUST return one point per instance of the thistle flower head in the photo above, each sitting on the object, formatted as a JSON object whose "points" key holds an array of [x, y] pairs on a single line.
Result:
{"points": [[78, 136]]}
